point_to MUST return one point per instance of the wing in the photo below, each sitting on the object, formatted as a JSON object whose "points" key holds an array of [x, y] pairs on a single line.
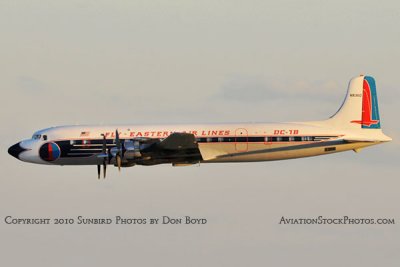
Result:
{"points": [[176, 148], [179, 141]]}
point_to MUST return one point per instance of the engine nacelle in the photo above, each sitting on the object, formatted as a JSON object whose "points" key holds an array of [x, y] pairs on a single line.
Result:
{"points": [[132, 149]]}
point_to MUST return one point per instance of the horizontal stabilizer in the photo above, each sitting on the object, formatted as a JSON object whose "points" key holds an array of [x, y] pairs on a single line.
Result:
{"points": [[382, 138], [355, 140]]}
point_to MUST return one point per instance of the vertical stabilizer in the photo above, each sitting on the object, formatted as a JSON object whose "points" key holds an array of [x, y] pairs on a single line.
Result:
{"points": [[360, 107]]}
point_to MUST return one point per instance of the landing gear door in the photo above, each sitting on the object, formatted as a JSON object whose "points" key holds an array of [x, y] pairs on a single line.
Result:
{"points": [[241, 140]]}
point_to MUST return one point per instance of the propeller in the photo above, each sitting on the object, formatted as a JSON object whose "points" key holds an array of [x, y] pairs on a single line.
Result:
{"points": [[104, 154], [119, 150], [108, 154]]}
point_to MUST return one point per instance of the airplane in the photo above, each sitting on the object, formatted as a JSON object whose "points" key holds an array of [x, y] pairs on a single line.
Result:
{"points": [[354, 126]]}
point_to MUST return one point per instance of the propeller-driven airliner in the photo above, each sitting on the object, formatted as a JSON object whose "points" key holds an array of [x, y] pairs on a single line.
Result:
{"points": [[354, 126]]}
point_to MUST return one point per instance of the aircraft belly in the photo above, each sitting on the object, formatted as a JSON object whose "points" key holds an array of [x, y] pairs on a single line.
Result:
{"points": [[260, 152]]}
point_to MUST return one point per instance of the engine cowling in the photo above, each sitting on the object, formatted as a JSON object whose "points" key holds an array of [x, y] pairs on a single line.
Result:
{"points": [[132, 149]]}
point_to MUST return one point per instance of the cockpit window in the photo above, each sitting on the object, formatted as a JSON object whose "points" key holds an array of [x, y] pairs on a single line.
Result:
{"points": [[39, 136]]}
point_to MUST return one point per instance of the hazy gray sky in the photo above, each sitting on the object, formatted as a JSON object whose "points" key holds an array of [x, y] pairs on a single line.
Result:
{"points": [[68, 62]]}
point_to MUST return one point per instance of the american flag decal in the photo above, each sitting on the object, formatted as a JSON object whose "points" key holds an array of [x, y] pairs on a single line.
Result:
{"points": [[85, 134]]}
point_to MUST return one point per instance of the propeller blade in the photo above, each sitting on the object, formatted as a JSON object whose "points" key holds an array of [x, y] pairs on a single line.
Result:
{"points": [[104, 148], [117, 141], [105, 155], [98, 171], [119, 150], [119, 162]]}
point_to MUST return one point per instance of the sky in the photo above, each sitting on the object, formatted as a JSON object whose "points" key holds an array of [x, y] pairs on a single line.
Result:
{"points": [[110, 62]]}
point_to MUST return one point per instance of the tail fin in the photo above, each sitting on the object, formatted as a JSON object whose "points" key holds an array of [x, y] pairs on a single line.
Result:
{"points": [[360, 107]]}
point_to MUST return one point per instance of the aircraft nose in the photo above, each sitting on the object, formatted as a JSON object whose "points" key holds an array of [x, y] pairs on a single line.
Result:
{"points": [[15, 150]]}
